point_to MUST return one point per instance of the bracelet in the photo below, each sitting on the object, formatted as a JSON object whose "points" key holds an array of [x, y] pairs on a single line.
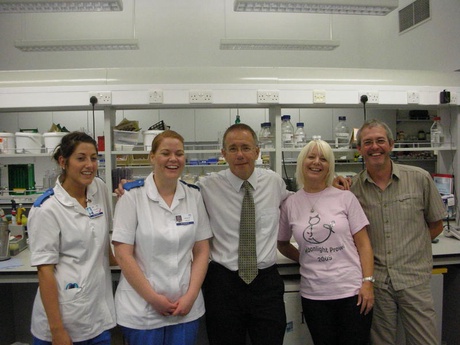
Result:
{"points": [[369, 279]]}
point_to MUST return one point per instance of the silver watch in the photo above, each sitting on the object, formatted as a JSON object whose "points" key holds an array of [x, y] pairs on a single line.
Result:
{"points": [[369, 279]]}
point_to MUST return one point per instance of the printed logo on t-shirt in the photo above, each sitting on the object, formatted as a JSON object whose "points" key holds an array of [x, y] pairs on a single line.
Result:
{"points": [[317, 235]]}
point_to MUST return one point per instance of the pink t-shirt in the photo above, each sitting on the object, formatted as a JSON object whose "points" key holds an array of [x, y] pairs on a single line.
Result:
{"points": [[329, 262]]}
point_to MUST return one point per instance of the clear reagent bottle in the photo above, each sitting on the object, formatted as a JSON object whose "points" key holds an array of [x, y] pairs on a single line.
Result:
{"points": [[342, 134], [265, 136], [300, 137], [287, 132], [436, 133]]}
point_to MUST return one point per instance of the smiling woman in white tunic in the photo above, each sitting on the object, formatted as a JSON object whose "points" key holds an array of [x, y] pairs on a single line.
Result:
{"points": [[69, 243], [160, 235]]}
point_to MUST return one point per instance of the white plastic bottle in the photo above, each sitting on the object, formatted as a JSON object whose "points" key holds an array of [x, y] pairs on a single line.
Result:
{"points": [[300, 137], [436, 133], [342, 134], [287, 132]]}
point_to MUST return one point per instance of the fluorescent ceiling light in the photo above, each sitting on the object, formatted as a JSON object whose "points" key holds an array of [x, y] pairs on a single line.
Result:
{"points": [[365, 7], [265, 44], [77, 45], [18, 6]]}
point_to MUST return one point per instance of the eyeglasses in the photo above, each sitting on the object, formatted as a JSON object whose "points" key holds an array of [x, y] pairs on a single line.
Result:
{"points": [[243, 149], [379, 142]]}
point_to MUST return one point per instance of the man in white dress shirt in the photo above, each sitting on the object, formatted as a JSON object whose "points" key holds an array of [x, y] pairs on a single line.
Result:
{"points": [[235, 309]]}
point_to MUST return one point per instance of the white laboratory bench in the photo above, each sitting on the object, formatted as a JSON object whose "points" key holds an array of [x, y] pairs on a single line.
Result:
{"points": [[18, 284]]}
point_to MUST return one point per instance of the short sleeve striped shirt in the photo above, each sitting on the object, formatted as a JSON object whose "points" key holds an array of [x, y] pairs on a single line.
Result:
{"points": [[398, 227]]}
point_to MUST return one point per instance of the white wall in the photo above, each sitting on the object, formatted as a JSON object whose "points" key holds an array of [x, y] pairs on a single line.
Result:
{"points": [[187, 34]]}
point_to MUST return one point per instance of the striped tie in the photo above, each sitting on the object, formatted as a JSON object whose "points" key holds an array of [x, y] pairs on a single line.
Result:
{"points": [[247, 257]]}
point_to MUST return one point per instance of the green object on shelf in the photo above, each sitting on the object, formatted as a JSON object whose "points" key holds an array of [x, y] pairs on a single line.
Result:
{"points": [[21, 179]]}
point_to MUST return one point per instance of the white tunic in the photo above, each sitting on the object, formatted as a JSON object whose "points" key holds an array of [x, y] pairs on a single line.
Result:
{"points": [[62, 233], [163, 239]]}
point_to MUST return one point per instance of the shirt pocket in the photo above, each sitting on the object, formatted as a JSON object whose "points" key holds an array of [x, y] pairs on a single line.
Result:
{"points": [[407, 204], [75, 308], [267, 219]]}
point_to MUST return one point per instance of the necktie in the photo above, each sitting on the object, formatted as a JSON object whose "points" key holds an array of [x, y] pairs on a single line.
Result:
{"points": [[247, 256]]}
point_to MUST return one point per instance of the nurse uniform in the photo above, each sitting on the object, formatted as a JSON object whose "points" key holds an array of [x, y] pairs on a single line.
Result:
{"points": [[76, 240]]}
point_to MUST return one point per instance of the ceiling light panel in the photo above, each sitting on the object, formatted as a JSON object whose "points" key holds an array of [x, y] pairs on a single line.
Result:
{"points": [[361, 7], [264, 44], [36, 6], [77, 45]]}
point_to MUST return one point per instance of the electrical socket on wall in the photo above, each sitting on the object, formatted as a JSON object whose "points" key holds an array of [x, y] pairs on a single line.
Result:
{"points": [[453, 98], [268, 96], [155, 96], [200, 96], [372, 96], [413, 97], [103, 97], [319, 96]]}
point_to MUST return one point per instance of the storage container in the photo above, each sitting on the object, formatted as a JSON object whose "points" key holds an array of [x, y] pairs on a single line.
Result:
{"points": [[125, 137], [28, 142], [52, 139], [149, 136], [7, 143], [123, 147]]}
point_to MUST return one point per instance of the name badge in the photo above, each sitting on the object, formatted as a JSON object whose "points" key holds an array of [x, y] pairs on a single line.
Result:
{"points": [[94, 211], [184, 219]]}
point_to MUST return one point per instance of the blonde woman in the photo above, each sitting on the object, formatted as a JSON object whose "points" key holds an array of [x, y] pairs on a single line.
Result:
{"points": [[334, 251]]}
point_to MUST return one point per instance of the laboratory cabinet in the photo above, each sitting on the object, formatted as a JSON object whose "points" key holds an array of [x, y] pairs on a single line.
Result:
{"points": [[203, 129]]}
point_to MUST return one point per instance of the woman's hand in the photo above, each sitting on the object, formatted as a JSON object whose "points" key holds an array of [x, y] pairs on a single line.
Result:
{"points": [[185, 304], [163, 305], [119, 190], [60, 337], [366, 297]]}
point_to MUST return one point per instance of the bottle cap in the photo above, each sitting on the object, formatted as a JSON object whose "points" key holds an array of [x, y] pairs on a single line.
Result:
{"points": [[437, 118], [342, 118], [286, 117], [300, 124]]}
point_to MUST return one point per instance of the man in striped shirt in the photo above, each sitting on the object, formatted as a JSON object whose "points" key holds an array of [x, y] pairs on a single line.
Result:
{"points": [[405, 212]]}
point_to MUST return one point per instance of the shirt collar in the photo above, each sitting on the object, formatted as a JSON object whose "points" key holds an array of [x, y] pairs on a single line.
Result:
{"points": [[152, 191], [64, 198], [395, 173], [237, 183]]}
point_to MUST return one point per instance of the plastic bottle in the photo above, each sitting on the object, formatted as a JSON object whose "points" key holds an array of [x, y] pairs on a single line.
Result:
{"points": [[437, 134], [300, 137], [13, 216], [265, 136], [342, 134], [287, 132]]}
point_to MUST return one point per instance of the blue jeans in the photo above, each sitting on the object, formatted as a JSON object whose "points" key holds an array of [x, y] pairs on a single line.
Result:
{"points": [[102, 339]]}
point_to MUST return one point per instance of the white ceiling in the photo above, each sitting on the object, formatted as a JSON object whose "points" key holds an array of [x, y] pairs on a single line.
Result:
{"points": [[186, 33]]}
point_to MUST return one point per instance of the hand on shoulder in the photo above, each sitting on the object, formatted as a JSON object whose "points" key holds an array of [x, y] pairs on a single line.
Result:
{"points": [[343, 183]]}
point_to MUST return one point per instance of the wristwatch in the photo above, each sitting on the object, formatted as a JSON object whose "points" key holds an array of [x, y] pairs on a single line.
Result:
{"points": [[369, 279]]}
